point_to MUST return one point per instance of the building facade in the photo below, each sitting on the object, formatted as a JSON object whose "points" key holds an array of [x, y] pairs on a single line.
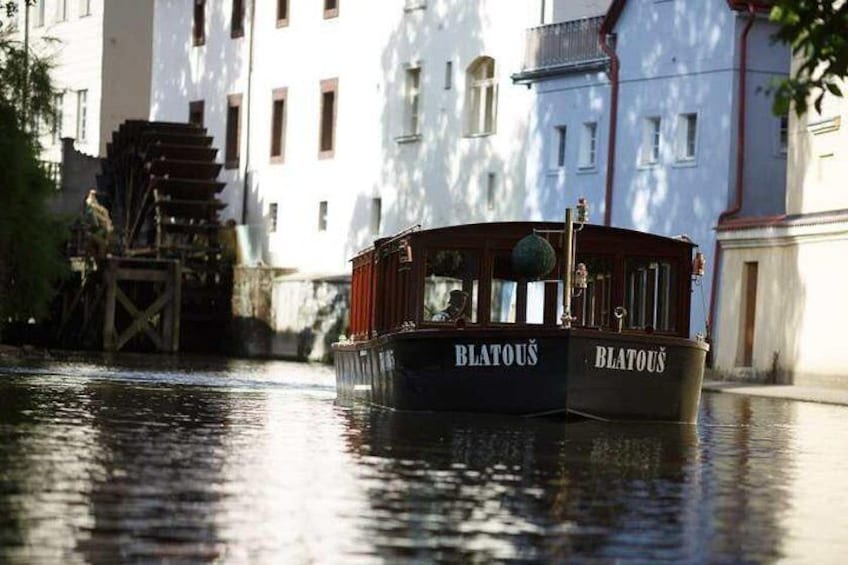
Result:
{"points": [[101, 56], [782, 295], [339, 124], [650, 128]]}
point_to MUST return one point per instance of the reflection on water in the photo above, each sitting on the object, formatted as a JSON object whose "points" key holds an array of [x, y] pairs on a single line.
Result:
{"points": [[253, 462]]}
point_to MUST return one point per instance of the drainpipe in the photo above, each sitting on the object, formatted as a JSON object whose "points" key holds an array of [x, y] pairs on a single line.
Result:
{"points": [[604, 34], [247, 174], [740, 159]]}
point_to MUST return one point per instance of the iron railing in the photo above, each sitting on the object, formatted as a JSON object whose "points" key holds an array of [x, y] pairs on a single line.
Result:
{"points": [[563, 44]]}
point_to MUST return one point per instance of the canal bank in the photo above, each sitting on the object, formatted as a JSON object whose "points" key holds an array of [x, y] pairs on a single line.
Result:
{"points": [[821, 394]]}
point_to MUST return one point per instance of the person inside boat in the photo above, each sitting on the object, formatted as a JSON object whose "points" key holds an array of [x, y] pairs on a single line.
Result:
{"points": [[457, 302]]}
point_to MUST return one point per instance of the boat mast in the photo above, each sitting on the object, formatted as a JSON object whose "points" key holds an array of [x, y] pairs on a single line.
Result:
{"points": [[567, 267]]}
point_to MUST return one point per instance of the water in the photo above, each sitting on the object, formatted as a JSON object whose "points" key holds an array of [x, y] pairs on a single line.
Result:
{"points": [[216, 461]]}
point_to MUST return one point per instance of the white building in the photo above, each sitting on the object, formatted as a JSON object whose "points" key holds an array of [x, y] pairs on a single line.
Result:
{"points": [[340, 122], [101, 52], [783, 300]]}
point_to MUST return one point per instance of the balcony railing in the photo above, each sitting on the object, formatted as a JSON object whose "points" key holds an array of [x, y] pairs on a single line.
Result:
{"points": [[561, 46]]}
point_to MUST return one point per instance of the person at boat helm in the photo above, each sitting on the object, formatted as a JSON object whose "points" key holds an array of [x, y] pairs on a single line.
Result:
{"points": [[457, 302]]}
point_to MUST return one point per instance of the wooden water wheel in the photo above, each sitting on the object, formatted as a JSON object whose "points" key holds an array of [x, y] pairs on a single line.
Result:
{"points": [[160, 184]]}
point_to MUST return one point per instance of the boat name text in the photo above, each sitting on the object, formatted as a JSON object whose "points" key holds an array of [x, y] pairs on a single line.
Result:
{"points": [[627, 359], [497, 354]]}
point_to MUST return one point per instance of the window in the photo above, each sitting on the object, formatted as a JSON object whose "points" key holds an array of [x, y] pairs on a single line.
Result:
{"points": [[329, 90], [451, 285], [195, 113], [376, 214], [237, 19], [783, 135], [61, 10], [412, 97], [651, 295], [233, 142], [278, 125], [39, 13], [651, 141], [448, 75], [272, 217], [58, 113], [82, 114], [331, 8], [282, 13], [199, 22], [588, 145], [482, 92], [687, 137], [84, 8], [558, 160], [491, 178], [322, 215]]}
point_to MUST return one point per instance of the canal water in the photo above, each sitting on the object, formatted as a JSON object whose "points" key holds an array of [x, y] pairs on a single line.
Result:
{"points": [[143, 459]]}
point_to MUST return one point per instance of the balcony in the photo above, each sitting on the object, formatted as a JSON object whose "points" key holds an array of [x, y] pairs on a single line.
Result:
{"points": [[563, 47]]}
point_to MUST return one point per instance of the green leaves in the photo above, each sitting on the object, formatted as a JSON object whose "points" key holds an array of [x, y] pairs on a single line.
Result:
{"points": [[817, 32]]}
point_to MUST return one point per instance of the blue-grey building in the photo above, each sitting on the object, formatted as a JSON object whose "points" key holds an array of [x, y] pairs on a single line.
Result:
{"points": [[659, 113]]}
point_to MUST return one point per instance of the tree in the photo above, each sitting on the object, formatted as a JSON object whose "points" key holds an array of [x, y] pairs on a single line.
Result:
{"points": [[817, 32], [31, 261]]}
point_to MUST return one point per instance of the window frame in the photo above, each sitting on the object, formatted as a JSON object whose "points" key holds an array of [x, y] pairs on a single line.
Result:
{"points": [[232, 148], [650, 151], [588, 158], [197, 107], [61, 11], [198, 23], [685, 135], [273, 211], [376, 222], [82, 115], [84, 8], [278, 96], [283, 21], [323, 213], [327, 86], [558, 155], [412, 102], [333, 12], [481, 96], [58, 115]]}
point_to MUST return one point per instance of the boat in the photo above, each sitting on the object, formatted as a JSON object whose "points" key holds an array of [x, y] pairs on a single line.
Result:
{"points": [[525, 318]]}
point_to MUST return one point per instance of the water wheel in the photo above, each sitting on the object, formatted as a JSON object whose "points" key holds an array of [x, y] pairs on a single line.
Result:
{"points": [[159, 182]]}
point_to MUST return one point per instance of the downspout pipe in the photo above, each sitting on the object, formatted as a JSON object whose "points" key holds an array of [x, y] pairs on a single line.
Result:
{"points": [[604, 34], [740, 159], [247, 173]]}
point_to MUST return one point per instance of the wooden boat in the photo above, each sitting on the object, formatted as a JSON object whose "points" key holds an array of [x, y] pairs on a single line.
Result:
{"points": [[448, 319]]}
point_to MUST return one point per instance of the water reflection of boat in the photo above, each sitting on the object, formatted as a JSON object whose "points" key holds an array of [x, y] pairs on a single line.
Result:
{"points": [[513, 318]]}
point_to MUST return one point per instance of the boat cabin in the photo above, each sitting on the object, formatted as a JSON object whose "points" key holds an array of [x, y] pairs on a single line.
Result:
{"points": [[466, 276]]}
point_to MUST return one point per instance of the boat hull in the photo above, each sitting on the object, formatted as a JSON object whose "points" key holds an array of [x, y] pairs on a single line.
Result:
{"points": [[526, 372]]}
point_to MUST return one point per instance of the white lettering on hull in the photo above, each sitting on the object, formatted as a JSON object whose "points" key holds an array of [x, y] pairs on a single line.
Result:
{"points": [[496, 354], [628, 359]]}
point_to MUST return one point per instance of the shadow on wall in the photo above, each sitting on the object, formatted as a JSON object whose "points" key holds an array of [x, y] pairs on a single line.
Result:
{"points": [[443, 177]]}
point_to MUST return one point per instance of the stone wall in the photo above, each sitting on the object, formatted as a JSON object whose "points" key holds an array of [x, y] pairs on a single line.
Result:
{"points": [[278, 315]]}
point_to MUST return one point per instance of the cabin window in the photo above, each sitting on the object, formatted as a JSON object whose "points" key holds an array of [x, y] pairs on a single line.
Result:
{"points": [[591, 305], [651, 295], [505, 290], [451, 285]]}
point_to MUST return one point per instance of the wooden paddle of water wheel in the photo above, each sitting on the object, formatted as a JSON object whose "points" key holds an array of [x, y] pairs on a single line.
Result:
{"points": [[166, 284]]}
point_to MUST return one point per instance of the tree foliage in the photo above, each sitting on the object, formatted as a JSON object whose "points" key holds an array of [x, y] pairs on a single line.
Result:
{"points": [[30, 236], [817, 32]]}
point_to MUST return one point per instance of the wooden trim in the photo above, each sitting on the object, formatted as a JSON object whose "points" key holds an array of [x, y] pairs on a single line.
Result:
{"points": [[328, 85], [279, 95]]}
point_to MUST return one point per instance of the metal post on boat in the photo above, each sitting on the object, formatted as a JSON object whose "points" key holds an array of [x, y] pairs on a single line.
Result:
{"points": [[567, 268]]}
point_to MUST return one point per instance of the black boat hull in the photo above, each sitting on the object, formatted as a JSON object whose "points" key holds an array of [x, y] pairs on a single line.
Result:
{"points": [[526, 372]]}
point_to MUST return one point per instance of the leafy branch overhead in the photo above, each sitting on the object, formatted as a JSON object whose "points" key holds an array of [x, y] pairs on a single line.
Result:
{"points": [[817, 32]]}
